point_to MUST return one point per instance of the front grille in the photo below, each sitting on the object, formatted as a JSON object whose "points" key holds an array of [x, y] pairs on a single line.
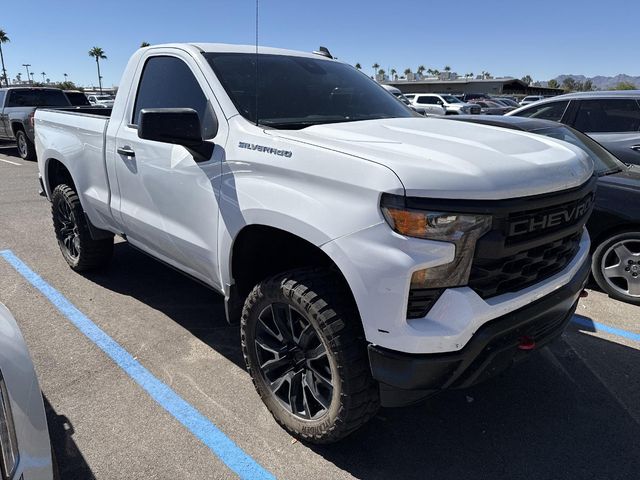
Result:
{"points": [[491, 277], [475, 110]]}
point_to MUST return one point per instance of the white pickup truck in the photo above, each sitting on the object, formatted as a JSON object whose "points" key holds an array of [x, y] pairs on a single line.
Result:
{"points": [[371, 256]]}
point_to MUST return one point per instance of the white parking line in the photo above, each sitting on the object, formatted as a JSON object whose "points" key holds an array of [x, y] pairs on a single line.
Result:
{"points": [[9, 161]]}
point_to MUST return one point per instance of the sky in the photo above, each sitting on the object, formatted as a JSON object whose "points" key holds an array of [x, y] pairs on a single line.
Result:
{"points": [[506, 38]]}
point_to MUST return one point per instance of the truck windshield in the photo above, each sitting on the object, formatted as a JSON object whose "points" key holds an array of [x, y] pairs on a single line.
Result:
{"points": [[37, 98], [297, 92]]}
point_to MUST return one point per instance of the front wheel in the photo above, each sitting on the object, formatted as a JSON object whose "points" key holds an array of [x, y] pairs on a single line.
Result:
{"points": [[616, 267], [304, 347], [78, 248], [26, 148]]}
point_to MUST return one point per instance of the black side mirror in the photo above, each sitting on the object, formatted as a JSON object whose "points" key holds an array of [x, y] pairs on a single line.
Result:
{"points": [[180, 126]]}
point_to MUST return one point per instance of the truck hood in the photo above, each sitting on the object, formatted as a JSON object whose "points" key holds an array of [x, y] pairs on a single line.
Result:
{"points": [[443, 159]]}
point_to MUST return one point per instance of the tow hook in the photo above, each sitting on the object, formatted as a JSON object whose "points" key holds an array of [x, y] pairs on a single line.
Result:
{"points": [[526, 343]]}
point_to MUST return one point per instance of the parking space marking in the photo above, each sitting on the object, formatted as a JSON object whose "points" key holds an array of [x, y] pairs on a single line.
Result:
{"points": [[601, 327], [222, 446], [9, 161]]}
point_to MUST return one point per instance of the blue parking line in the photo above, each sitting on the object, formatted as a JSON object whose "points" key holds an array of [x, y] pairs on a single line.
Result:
{"points": [[221, 445], [600, 327]]}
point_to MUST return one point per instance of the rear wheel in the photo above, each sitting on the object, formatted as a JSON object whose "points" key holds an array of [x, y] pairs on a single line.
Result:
{"points": [[26, 148], [305, 350], [79, 250], [616, 266]]}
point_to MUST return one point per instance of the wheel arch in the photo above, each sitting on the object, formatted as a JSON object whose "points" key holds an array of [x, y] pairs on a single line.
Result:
{"points": [[259, 251], [56, 173]]}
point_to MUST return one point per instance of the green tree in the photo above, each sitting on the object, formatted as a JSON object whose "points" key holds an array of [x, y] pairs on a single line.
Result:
{"points": [[145, 44], [98, 54], [3, 39], [569, 84], [421, 69], [553, 83], [527, 79], [394, 73], [625, 86], [375, 67], [407, 71], [447, 68], [358, 66], [587, 86]]}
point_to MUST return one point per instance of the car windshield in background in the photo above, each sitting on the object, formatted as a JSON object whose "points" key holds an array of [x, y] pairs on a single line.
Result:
{"points": [[77, 98], [297, 92], [37, 98], [451, 99], [603, 161]]}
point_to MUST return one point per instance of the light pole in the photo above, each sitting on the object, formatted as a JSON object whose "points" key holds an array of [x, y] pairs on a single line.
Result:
{"points": [[65, 77], [27, 65], [32, 74]]}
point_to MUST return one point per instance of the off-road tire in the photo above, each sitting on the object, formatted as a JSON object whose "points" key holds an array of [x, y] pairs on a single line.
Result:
{"points": [[80, 251], [322, 298]]}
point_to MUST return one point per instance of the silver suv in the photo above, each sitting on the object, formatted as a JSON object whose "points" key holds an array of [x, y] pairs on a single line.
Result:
{"points": [[610, 118]]}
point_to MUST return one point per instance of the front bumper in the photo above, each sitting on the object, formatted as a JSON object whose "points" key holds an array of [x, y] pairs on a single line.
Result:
{"points": [[408, 378]]}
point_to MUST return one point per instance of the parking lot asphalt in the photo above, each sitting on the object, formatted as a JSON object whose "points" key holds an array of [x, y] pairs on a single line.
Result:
{"points": [[569, 411]]}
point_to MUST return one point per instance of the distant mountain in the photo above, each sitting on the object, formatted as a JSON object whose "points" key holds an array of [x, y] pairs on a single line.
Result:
{"points": [[600, 82]]}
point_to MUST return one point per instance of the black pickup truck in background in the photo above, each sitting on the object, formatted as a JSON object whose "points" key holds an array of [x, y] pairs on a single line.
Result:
{"points": [[17, 107]]}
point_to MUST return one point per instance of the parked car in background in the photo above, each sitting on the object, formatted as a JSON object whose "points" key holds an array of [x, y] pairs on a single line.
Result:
{"points": [[468, 97], [17, 107], [25, 448], [452, 105], [77, 98], [610, 118], [614, 225], [489, 107], [509, 102], [400, 96], [529, 99], [101, 100], [428, 102]]}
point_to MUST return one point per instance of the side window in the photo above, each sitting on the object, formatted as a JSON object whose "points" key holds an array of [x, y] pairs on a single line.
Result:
{"points": [[547, 111], [608, 115], [427, 100], [2, 95], [167, 82]]}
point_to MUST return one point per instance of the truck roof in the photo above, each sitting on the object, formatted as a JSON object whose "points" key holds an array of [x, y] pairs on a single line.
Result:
{"points": [[231, 48]]}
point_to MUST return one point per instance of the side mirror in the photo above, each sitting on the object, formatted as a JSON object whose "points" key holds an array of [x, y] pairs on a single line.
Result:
{"points": [[180, 126]]}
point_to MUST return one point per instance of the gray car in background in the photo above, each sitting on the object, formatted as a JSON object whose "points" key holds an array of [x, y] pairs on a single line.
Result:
{"points": [[610, 118]]}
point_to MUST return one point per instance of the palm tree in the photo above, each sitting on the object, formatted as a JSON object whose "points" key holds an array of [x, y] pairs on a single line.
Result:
{"points": [[43, 76], [3, 39], [65, 77], [394, 74], [98, 54], [375, 67], [407, 71], [358, 66], [145, 44], [447, 68]]}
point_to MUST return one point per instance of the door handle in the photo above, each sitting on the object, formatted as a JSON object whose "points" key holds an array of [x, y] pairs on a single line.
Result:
{"points": [[635, 147], [127, 151]]}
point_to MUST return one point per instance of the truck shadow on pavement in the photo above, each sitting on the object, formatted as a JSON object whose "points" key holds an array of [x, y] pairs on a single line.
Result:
{"points": [[549, 417], [188, 303], [68, 459]]}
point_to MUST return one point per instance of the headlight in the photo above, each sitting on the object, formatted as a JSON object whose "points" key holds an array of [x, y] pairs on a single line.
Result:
{"points": [[465, 109], [461, 229], [8, 443]]}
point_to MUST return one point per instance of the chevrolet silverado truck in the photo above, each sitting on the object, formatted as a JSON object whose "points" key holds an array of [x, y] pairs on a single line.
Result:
{"points": [[371, 256], [17, 108]]}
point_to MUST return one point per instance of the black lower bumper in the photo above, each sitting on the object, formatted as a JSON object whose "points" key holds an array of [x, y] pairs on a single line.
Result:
{"points": [[408, 378]]}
